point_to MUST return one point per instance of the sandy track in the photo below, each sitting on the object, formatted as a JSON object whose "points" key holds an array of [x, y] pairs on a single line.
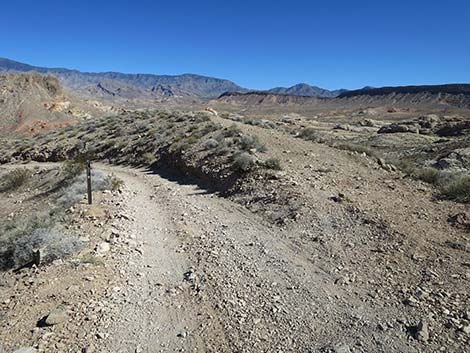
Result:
{"points": [[214, 277], [149, 320]]}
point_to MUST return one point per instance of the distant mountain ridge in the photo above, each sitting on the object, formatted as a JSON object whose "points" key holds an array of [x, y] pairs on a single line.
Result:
{"points": [[455, 89], [130, 85], [148, 86], [303, 89], [429, 97]]}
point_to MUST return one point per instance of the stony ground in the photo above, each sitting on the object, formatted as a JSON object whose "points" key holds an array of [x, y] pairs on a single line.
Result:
{"points": [[370, 264]]}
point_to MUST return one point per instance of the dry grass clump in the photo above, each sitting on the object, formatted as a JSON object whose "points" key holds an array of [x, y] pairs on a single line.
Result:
{"points": [[458, 189], [15, 229], [310, 134], [71, 168], [273, 163], [116, 183], [353, 147], [149, 158], [78, 189], [50, 244], [265, 124], [428, 175], [452, 185], [249, 142], [15, 179], [244, 162], [92, 260], [210, 144]]}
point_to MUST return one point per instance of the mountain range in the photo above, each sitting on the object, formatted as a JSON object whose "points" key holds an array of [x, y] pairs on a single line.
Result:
{"points": [[149, 86], [303, 89]]}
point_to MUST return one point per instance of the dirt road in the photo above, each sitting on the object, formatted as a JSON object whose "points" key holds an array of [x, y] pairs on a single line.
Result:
{"points": [[208, 275]]}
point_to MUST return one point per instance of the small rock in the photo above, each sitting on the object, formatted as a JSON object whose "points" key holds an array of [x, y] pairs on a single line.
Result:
{"points": [[422, 331], [341, 348], [103, 248], [101, 335], [411, 301], [56, 316], [26, 350], [182, 334]]}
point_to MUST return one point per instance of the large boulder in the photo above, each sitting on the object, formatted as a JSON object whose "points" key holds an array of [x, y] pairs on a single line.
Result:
{"points": [[458, 159], [454, 128], [402, 127]]}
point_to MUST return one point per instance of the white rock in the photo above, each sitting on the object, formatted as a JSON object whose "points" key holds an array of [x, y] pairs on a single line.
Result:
{"points": [[102, 248], [26, 350]]}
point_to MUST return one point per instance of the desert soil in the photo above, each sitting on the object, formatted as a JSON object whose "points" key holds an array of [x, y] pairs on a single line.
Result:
{"points": [[366, 267]]}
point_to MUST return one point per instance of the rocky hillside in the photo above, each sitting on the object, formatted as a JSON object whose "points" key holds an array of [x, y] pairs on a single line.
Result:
{"points": [[303, 89], [425, 98], [31, 102], [112, 84], [456, 95], [265, 98], [434, 89]]}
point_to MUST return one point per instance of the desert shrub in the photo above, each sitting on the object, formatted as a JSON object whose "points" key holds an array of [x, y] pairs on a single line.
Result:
{"points": [[148, 158], [71, 168], [406, 166], [210, 144], [457, 189], [353, 147], [221, 150], [429, 175], [244, 162], [92, 260], [191, 140], [78, 189], [248, 142], [53, 245], [116, 183], [261, 148], [201, 117], [266, 124], [19, 227], [232, 131], [273, 163], [311, 134], [141, 126], [15, 179]]}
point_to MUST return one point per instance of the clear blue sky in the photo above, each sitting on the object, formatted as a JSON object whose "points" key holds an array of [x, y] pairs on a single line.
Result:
{"points": [[258, 44]]}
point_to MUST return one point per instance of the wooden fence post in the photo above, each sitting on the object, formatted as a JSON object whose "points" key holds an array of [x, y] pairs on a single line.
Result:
{"points": [[88, 180]]}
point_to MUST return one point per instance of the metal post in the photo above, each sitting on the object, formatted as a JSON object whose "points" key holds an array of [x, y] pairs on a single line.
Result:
{"points": [[88, 180]]}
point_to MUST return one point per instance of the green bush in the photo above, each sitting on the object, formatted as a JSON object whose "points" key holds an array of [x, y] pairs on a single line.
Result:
{"points": [[116, 183], [71, 168]]}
